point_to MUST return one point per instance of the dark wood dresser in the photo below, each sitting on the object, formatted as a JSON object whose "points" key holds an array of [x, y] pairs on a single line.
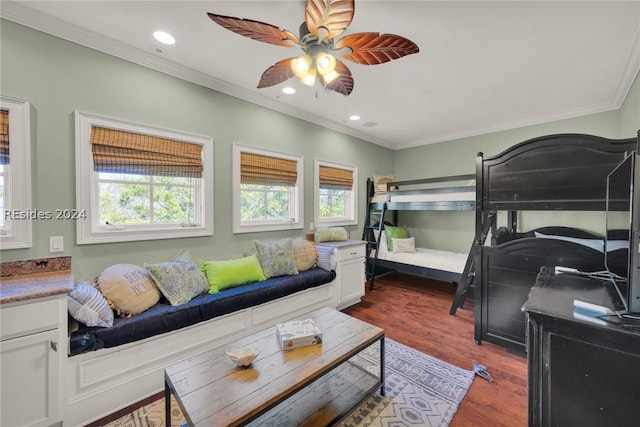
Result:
{"points": [[580, 372]]}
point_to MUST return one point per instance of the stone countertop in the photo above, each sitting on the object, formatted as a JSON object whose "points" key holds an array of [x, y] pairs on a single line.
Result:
{"points": [[37, 285], [343, 244], [25, 280]]}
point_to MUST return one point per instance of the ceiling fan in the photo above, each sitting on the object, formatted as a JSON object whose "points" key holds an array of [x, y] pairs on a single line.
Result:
{"points": [[324, 20]]}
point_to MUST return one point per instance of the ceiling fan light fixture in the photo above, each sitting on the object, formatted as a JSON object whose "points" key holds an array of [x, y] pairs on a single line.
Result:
{"points": [[301, 65], [325, 63], [328, 78], [309, 79], [324, 21]]}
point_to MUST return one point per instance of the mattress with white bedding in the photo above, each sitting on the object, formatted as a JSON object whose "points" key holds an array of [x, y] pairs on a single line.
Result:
{"points": [[430, 258]]}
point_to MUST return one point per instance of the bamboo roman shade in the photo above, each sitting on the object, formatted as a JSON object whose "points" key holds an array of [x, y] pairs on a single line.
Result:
{"points": [[335, 178], [265, 170], [117, 151], [4, 137]]}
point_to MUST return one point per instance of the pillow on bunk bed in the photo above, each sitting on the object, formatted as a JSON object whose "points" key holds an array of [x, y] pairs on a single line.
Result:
{"points": [[407, 245], [397, 232]]}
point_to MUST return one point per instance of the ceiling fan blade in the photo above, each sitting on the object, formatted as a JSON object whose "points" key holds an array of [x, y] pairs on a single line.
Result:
{"points": [[256, 30], [344, 82], [277, 73], [375, 48], [333, 15]]}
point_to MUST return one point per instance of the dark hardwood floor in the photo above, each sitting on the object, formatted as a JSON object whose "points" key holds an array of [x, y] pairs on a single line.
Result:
{"points": [[415, 312]]}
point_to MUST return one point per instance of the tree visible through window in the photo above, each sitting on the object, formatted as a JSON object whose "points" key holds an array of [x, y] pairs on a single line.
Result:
{"points": [[141, 183], [267, 190], [138, 199], [335, 191], [264, 202], [15, 174]]}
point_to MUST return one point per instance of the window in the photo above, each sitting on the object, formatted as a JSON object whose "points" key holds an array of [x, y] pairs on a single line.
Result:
{"points": [[267, 190], [139, 182], [335, 194], [15, 174]]}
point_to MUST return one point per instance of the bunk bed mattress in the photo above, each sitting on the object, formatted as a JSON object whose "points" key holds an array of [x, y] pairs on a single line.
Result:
{"points": [[441, 197], [428, 258]]}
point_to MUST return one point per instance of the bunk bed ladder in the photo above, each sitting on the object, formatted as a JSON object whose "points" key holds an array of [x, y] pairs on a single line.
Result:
{"points": [[369, 235], [469, 272]]}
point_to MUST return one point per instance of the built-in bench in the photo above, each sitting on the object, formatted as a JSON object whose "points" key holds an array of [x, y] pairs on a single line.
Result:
{"points": [[164, 317], [129, 358]]}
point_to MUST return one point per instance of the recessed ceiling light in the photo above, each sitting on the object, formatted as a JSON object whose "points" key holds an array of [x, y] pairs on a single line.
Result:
{"points": [[354, 118], [289, 90], [164, 37]]}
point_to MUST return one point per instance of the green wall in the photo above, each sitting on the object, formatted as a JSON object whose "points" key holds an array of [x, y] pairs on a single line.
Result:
{"points": [[454, 231], [57, 77]]}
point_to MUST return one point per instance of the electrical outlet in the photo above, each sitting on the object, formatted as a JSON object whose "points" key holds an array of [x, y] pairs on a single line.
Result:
{"points": [[56, 244]]}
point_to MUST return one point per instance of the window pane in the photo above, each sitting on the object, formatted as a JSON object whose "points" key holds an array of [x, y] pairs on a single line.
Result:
{"points": [[124, 203], [174, 180], [122, 177], [172, 204], [2, 193], [333, 203], [261, 202]]}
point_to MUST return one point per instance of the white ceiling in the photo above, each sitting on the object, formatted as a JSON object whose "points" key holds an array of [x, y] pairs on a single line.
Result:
{"points": [[482, 66]]}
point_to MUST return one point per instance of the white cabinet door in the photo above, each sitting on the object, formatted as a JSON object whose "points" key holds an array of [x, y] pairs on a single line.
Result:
{"points": [[29, 380], [350, 271]]}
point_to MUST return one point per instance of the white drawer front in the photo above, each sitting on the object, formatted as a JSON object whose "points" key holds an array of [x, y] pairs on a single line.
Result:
{"points": [[23, 319], [351, 252]]}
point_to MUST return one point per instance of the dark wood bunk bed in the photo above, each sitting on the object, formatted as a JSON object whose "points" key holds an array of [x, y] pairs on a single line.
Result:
{"points": [[565, 172], [452, 193]]}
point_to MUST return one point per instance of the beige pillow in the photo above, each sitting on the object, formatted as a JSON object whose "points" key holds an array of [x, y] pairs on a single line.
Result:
{"points": [[129, 288], [304, 253]]}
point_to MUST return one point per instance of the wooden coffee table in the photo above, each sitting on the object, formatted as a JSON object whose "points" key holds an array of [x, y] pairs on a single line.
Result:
{"points": [[313, 385]]}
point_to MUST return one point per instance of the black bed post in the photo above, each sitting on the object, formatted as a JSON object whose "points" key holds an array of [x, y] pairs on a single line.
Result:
{"points": [[471, 267], [477, 253]]}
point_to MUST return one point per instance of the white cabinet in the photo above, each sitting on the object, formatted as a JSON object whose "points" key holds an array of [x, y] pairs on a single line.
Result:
{"points": [[350, 272], [32, 354]]}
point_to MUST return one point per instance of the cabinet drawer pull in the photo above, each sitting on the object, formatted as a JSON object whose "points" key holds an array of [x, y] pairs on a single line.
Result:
{"points": [[54, 346], [353, 253]]}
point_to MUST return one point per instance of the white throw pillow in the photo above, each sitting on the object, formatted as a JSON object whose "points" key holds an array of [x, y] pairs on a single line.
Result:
{"points": [[87, 305], [407, 245]]}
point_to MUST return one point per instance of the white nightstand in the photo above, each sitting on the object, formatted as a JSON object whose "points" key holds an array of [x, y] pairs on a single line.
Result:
{"points": [[349, 270]]}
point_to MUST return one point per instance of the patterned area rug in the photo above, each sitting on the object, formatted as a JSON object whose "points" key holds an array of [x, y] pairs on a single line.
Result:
{"points": [[420, 391]]}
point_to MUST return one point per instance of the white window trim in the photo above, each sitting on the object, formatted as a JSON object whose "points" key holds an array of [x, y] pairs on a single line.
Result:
{"points": [[89, 231], [18, 191], [318, 222], [296, 221]]}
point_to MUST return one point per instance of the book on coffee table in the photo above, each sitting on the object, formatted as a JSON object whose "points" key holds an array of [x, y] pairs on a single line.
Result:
{"points": [[298, 333]]}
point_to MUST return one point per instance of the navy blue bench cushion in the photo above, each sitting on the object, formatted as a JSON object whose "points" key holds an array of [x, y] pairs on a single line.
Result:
{"points": [[163, 317]]}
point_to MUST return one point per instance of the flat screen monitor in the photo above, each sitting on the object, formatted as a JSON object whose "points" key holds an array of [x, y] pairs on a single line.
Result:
{"points": [[622, 243]]}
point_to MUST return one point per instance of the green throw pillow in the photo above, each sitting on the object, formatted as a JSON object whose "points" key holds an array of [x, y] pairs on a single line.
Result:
{"points": [[397, 232], [234, 272], [331, 234]]}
